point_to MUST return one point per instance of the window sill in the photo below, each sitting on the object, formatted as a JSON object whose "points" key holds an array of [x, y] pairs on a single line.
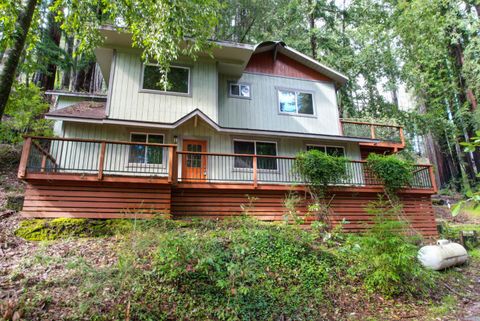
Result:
{"points": [[297, 115], [161, 92]]}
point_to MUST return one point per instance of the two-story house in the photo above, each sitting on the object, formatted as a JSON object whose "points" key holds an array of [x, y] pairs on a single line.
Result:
{"points": [[223, 126]]}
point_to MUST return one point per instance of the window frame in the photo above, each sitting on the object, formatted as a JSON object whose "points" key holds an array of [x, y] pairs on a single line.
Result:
{"points": [[254, 141], [165, 92], [297, 91], [325, 148], [132, 164], [229, 89]]}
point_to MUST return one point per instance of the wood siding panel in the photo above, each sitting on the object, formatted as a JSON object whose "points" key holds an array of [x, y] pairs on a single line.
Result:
{"points": [[127, 102], [282, 66], [262, 111], [214, 204], [95, 200]]}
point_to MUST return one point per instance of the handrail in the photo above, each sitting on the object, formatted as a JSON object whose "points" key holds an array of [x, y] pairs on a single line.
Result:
{"points": [[99, 157], [86, 140], [366, 123]]}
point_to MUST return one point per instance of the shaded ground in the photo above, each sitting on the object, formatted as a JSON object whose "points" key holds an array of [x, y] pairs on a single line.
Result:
{"points": [[24, 265]]}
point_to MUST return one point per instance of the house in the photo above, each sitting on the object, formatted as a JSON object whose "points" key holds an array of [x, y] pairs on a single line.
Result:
{"points": [[225, 126]]}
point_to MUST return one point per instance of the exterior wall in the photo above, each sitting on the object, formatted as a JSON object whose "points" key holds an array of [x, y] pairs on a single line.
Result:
{"points": [[82, 199], [282, 66], [348, 206], [262, 110], [218, 168], [128, 102]]}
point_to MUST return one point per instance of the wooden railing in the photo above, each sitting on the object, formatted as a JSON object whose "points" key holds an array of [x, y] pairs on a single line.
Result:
{"points": [[46, 157], [255, 169], [382, 132], [98, 158]]}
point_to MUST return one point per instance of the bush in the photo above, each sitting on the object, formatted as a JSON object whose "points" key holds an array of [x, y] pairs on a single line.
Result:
{"points": [[47, 230], [392, 171], [237, 270], [385, 257], [319, 169], [24, 115]]}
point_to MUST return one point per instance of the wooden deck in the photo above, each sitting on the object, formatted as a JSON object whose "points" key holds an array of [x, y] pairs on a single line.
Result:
{"points": [[101, 182]]}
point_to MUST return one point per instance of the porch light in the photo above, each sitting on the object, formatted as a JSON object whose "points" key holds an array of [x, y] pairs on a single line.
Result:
{"points": [[175, 139]]}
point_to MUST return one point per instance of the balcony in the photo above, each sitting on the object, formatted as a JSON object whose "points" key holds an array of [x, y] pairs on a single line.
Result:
{"points": [[126, 162], [389, 136]]}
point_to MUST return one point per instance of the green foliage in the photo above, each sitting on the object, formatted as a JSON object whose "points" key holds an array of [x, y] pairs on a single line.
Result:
{"points": [[385, 257], [178, 21], [231, 270], [47, 230], [24, 115], [392, 171], [319, 169]]}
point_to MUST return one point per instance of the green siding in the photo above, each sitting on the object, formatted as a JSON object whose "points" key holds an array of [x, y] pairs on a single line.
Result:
{"points": [[261, 111], [128, 102]]}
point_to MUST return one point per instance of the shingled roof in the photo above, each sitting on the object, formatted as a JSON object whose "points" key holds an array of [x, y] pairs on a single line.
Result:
{"points": [[83, 109]]}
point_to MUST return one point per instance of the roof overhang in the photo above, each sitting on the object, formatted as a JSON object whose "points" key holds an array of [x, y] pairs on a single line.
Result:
{"points": [[232, 57], [214, 125]]}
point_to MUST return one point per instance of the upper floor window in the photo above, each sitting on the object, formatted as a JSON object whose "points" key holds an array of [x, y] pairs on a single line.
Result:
{"points": [[239, 90], [178, 79], [142, 154], [295, 102], [329, 150], [255, 148]]}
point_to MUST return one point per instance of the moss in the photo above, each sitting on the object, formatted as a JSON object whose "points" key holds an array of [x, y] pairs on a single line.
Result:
{"points": [[44, 230]]}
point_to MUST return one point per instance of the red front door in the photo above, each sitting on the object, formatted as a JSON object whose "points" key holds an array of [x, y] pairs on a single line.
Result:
{"points": [[194, 167]]}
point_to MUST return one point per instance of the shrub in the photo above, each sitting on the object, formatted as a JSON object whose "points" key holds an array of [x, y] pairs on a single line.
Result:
{"points": [[392, 171], [319, 169], [230, 270], [24, 115], [385, 257]]}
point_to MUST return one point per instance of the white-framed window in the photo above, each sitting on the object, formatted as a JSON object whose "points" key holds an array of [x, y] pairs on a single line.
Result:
{"points": [[141, 154], [239, 90], [295, 102], [254, 147], [178, 79], [329, 150]]}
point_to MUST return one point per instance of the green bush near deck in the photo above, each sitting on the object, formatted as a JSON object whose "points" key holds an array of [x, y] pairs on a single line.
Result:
{"points": [[47, 230]]}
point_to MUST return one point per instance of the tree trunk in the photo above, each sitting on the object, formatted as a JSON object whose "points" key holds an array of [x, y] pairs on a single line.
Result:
{"points": [[13, 54], [311, 21], [67, 72]]}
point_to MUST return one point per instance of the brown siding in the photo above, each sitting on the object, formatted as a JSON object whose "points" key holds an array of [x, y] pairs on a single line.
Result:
{"points": [[215, 203], [282, 66], [114, 200], [95, 200]]}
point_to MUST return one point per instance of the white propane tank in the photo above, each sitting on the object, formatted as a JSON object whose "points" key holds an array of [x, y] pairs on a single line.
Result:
{"points": [[442, 255]]}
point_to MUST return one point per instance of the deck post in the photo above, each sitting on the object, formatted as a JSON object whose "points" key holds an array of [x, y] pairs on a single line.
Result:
{"points": [[402, 137], [432, 178], [372, 131], [174, 165], [171, 164], [44, 164], [22, 168], [101, 160], [255, 178]]}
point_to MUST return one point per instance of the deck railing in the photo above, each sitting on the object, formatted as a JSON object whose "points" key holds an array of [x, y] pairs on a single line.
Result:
{"points": [[382, 132], [95, 157], [98, 158], [199, 167]]}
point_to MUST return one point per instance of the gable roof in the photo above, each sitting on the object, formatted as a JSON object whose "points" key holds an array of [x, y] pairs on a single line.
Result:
{"points": [[231, 56]]}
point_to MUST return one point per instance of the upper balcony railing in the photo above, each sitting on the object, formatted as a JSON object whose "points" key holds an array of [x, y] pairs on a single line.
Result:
{"points": [[96, 160], [389, 134]]}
